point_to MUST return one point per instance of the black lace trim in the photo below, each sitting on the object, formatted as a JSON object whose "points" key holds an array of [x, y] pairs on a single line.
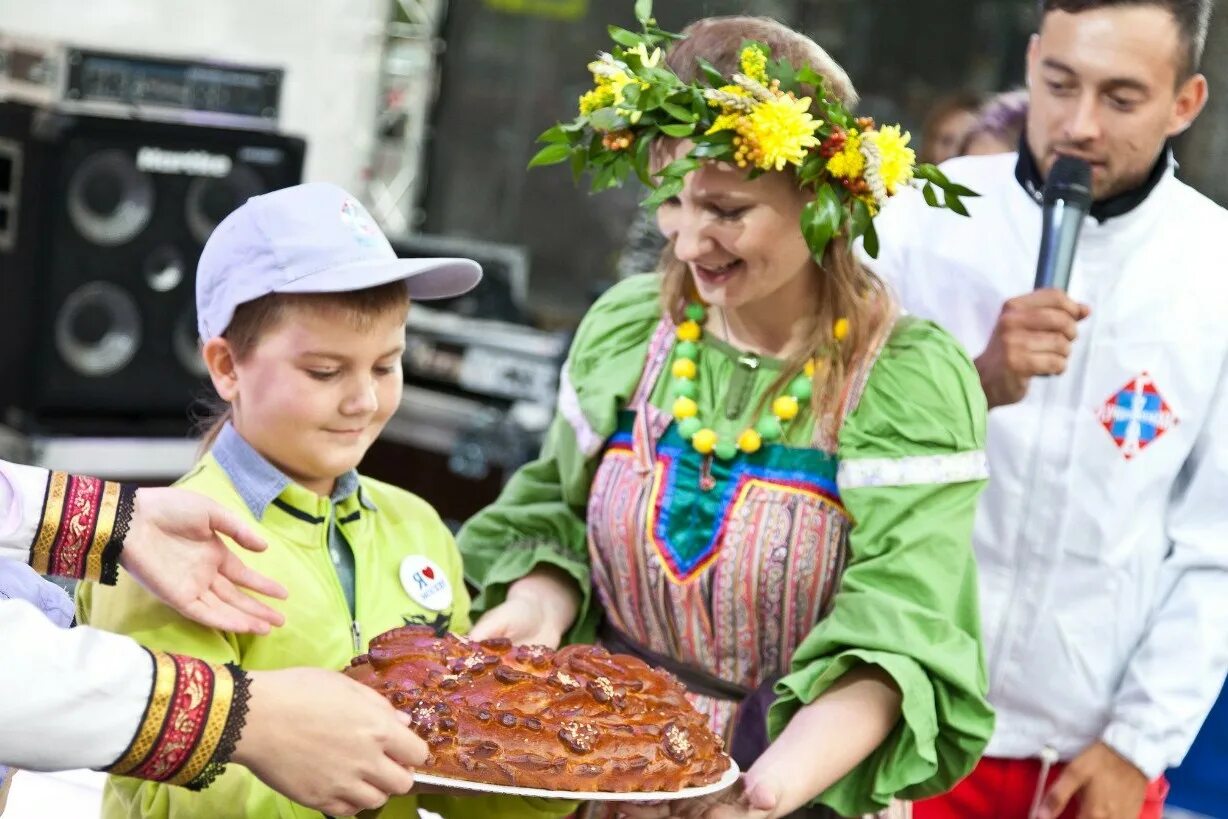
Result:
{"points": [[235, 722], [119, 532]]}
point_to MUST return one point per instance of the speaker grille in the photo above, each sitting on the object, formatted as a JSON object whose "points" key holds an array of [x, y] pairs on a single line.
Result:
{"points": [[10, 192]]}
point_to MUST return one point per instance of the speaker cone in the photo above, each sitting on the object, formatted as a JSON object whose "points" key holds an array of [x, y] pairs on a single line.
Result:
{"points": [[210, 199], [98, 330], [109, 201], [164, 269]]}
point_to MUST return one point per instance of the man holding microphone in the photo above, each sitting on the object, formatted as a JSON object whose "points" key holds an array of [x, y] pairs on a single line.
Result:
{"points": [[1102, 540]]}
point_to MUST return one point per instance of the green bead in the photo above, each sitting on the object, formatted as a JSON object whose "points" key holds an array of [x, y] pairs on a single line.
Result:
{"points": [[687, 349], [689, 427], [685, 388], [726, 450], [800, 388], [695, 312], [769, 428]]}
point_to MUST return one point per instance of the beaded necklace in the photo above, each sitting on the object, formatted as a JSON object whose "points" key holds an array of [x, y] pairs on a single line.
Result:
{"points": [[685, 388]]}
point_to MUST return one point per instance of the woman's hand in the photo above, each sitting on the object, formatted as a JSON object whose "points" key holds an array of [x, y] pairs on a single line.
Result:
{"points": [[174, 549], [539, 609], [753, 797]]}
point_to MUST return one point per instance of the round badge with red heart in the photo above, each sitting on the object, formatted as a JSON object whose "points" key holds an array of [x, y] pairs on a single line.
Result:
{"points": [[425, 582]]}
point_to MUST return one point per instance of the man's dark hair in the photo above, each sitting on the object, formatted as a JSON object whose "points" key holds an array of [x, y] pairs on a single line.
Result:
{"points": [[1192, 18]]}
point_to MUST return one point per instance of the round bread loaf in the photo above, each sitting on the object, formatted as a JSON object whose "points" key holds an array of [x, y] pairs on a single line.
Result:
{"points": [[576, 719]]}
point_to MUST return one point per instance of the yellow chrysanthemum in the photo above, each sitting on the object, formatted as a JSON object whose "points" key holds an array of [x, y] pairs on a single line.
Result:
{"points": [[897, 158], [725, 122], [781, 130], [754, 64], [599, 97], [849, 163]]}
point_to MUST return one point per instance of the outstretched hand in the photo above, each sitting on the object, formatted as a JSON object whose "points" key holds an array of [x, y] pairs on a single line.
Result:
{"points": [[326, 741], [539, 609], [749, 798], [174, 549]]}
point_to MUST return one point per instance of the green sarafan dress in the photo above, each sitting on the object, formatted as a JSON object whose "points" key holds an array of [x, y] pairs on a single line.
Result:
{"points": [[840, 544]]}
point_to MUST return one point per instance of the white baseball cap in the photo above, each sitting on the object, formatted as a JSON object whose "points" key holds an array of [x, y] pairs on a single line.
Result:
{"points": [[312, 238]]}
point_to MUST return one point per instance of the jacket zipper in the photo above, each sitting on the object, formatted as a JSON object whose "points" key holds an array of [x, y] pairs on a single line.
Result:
{"points": [[355, 628]]}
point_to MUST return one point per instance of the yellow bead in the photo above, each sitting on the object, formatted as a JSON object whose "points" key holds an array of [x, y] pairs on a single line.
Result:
{"points": [[750, 441], [809, 368], [785, 407], [685, 408], [689, 331], [704, 441], [684, 368], [840, 329]]}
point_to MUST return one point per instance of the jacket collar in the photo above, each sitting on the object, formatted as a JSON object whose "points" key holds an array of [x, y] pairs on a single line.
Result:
{"points": [[1028, 176], [260, 484]]}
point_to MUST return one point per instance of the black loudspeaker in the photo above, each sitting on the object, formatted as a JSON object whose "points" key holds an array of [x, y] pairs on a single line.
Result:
{"points": [[102, 221]]}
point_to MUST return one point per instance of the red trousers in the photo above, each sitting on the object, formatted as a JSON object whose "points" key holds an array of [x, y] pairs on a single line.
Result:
{"points": [[1005, 788]]}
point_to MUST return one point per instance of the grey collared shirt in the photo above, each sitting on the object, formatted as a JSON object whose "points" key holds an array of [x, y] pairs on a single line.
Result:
{"points": [[259, 483]]}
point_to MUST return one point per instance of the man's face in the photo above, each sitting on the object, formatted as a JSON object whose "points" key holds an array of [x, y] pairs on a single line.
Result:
{"points": [[1106, 87]]}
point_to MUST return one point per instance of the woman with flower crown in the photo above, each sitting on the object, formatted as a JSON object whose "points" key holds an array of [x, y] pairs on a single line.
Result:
{"points": [[761, 475]]}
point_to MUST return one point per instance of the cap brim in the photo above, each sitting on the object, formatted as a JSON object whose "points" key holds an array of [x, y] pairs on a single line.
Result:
{"points": [[426, 279]]}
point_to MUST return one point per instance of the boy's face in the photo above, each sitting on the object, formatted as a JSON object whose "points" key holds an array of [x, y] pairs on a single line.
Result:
{"points": [[317, 390], [1106, 86]]}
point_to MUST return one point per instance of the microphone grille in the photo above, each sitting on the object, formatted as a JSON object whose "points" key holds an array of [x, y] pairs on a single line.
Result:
{"points": [[1070, 179]]}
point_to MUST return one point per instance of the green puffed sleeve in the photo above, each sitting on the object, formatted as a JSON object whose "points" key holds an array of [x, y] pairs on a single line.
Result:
{"points": [[539, 516], [912, 466]]}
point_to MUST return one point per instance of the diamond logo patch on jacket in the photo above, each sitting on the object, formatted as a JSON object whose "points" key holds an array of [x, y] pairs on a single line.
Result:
{"points": [[1136, 415]]}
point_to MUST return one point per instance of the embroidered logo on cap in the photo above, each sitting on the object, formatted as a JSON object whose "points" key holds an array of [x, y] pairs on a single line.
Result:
{"points": [[1136, 415], [426, 583], [359, 221]]}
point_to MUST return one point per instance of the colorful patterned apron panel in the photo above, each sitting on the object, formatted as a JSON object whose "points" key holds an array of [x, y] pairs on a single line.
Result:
{"points": [[731, 579]]}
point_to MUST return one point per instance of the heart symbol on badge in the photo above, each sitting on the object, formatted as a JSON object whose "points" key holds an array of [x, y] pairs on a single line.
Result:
{"points": [[429, 573]]}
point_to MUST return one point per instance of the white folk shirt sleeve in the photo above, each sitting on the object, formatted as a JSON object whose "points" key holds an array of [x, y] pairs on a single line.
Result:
{"points": [[1176, 673], [69, 698], [21, 500]]}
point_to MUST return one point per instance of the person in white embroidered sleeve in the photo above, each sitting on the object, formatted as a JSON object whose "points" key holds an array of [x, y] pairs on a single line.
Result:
{"points": [[1101, 538], [83, 698]]}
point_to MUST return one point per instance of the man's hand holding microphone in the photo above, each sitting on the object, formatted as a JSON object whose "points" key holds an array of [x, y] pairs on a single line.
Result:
{"points": [[1035, 332]]}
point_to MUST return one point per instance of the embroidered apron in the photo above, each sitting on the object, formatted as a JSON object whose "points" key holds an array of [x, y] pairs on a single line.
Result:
{"points": [[730, 579]]}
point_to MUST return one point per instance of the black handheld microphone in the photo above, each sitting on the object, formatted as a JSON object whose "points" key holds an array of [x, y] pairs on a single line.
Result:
{"points": [[1068, 197]]}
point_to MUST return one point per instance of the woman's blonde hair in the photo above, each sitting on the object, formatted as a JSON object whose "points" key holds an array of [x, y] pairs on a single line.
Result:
{"points": [[253, 319], [847, 289]]}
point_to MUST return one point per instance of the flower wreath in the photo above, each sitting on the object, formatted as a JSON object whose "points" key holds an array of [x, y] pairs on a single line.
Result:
{"points": [[758, 119]]}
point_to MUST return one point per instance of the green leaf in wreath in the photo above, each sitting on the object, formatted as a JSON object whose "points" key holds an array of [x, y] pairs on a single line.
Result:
{"points": [[607, 119], [666, 190], [680, 167], [678, 131], [643, 149], [643, 11], [679, 112], [821, 220], [628, 39], [870, 243], [550, 155]]}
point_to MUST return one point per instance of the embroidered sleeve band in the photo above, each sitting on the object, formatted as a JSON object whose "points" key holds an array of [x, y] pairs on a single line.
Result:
{"points": [[191, 724], [910, 471], [82, 527]]}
